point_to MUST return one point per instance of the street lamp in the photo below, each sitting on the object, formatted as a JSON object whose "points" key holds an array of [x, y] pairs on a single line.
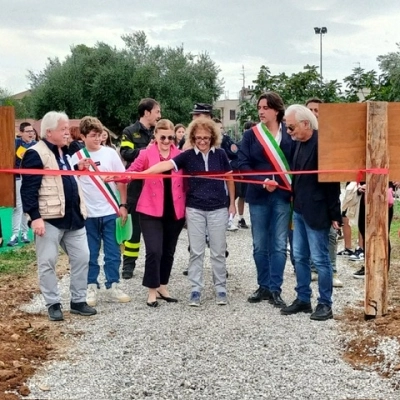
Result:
{"points": [[320, 32]]}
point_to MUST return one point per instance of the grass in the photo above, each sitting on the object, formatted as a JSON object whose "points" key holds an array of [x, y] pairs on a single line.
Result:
{"points": [[17, 261], [395, 227]]}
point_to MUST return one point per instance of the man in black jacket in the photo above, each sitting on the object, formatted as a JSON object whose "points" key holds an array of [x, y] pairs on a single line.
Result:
{"points": [[316, 207], [135, 138]]}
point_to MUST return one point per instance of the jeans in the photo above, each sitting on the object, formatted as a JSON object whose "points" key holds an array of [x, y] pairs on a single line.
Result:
{"points": [[98, 229], [269, 227], [19, 222], [312, 243], [332, 250]]}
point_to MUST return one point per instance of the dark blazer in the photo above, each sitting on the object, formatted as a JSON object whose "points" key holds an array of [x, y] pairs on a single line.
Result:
{"points": [[318, 202], [252, 158]]}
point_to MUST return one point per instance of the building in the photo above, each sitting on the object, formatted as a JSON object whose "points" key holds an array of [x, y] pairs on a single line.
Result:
{"points": [[228, 110]]}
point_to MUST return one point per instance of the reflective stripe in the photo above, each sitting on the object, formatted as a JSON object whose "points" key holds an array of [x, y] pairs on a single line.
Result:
{"points": [[131, 253], [127, 144], [131, 245]]}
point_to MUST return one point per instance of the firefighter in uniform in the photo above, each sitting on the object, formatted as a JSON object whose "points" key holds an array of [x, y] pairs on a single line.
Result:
{"points": [[134, 138]]}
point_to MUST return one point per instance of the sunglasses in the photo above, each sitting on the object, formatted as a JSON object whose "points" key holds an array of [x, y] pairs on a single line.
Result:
{"points": [[290, 128], [164, 138], [202, 139]]}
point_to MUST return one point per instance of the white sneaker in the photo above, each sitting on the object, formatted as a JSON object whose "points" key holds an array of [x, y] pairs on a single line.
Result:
{"points": [[116, 294], [232, 226], [336, 281], [91, 295]]}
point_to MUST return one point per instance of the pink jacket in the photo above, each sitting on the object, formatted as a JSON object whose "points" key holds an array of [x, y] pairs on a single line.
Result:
{"points": [[151, 200]]}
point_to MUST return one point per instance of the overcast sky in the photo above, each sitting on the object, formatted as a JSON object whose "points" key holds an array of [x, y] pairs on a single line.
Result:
{"points": [[276, 33]]}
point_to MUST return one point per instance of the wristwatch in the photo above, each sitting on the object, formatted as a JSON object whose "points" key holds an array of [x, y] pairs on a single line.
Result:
{"points": [[123, 205]]}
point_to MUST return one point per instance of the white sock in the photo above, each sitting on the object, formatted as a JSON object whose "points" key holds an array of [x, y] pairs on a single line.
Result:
{"points": [[240, 216]]}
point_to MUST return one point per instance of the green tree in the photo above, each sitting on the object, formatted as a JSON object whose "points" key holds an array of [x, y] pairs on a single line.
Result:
{"points": [[108, 82]]}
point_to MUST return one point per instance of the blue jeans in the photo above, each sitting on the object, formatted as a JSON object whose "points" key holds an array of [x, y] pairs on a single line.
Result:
{"points": [[269, 227], [311, 243], [98, 229]]}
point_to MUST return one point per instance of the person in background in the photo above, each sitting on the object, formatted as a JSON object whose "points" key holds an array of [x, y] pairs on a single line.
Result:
{"points": [[268, 149], [208, 204], [313, 105], [76, 143], [135, 138], [316, 207], [179, 133], [57, 210], [103, 209], [106, 138], [161, 209], [19, 222]]}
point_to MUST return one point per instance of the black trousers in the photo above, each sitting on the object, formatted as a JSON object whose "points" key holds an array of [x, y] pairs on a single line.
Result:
{"points": [[160, 236], [361, 224]]}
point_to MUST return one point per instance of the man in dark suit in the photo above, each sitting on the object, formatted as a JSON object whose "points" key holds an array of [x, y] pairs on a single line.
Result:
{"points": [[316, 207]]}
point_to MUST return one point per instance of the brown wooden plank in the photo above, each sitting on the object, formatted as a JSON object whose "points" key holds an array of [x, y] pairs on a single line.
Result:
{"points": [[7, 155], [376, 235], [342, 140]]}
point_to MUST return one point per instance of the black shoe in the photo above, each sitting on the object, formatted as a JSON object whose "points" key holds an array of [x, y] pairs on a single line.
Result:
{"points": [[322, 313], [259, 295], [296, 307], [55, 313], [127, 273], [360, 274], [185, 272], [226, 254], [128, 266], [276, 300], [82, 309], [242, 224], [167, 299], [153, 304]]}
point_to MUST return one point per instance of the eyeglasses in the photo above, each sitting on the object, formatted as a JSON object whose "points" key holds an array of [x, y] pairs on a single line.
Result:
{"points": [[170, 138], [202, 138], [31, 131], [290, 128]]}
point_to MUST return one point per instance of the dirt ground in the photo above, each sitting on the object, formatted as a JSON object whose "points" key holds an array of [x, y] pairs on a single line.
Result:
{"points": [[27, 340]]}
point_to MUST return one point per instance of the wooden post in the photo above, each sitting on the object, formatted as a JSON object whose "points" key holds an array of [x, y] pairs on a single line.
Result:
{"points": [[7, 157], [376, 212]]}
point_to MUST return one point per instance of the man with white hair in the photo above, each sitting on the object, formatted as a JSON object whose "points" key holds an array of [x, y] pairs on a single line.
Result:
{"points": [[316, 207], [57, 211]]}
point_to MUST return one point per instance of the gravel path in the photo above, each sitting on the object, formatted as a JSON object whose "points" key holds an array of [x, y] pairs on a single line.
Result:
{"points": [[240, 351]]}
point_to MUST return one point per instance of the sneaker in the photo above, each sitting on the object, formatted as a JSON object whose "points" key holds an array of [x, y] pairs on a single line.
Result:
{"points": [[13, 241], [82, 309], [114, 293], [232, 226], [55, 313], [360, 274], [127, 272], [221, 299], [322, 313], [91, 294], [358, 255], [24, 238], [346, 252], [242, 224], [194, 299], [314, 276], [336, 282]]}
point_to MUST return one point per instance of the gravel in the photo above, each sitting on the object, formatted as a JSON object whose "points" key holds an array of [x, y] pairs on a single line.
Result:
{"points": [[240, 351]]}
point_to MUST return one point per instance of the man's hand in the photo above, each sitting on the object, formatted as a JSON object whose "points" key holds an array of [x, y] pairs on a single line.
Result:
{"points": [[83, 164], [335, 225], [38, 227], [123, 213], [270, 185], [232, 210]]}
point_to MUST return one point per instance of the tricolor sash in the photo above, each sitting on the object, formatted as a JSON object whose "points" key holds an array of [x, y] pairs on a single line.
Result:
{"points": [[274, 153], [104, 187]]}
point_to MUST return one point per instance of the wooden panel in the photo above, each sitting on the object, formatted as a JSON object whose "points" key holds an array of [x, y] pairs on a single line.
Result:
{"points": [[394, 141], [7, 156], [342, 140], [376, 212]]}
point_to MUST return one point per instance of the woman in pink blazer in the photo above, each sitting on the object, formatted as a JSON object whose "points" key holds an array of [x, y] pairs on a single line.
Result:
{"points": [[161, 208]]}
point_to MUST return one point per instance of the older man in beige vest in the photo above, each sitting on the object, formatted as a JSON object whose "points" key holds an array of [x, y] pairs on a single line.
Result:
{"points": [[55, 206]]}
